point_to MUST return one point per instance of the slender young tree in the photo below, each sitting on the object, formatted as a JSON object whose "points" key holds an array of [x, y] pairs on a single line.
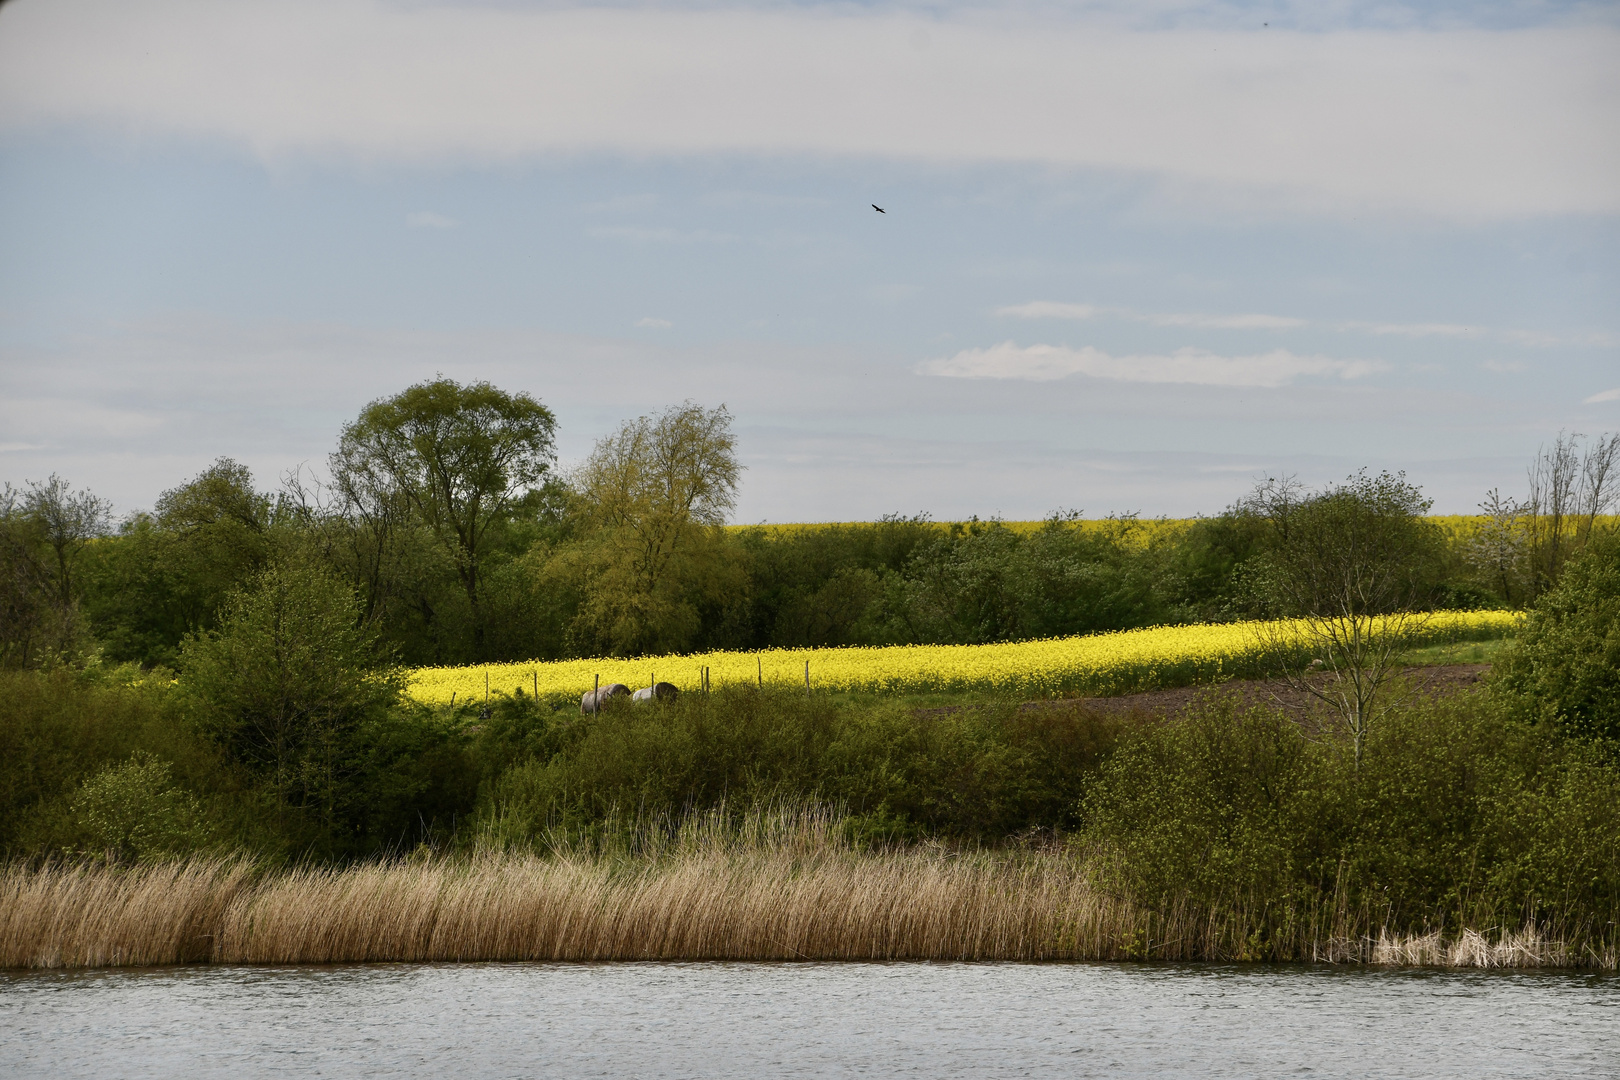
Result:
{"points": [[1352, 563]]}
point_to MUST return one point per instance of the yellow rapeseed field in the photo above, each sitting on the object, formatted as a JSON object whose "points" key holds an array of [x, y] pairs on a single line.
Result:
{"points": [[1098, 664]]}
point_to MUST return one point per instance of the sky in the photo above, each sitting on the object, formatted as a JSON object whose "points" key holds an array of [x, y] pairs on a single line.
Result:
{"points": [[1133, 257]]}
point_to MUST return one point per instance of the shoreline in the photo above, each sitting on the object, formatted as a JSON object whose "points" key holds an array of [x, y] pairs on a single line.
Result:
{"points": [[783, 903]]}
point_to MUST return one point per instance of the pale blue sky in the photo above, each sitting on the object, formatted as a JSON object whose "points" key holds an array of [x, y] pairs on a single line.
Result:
{"points": [[1130, 261]]}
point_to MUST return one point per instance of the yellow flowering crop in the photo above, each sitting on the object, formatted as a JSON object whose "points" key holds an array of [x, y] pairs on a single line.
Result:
{"points": [[1097, 664]]}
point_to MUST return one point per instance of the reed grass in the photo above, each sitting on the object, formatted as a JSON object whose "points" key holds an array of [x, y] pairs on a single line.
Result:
{"points": [[782, 889]]}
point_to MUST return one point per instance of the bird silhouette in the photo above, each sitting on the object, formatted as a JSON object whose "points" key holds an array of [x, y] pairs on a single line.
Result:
{"points": [[879, 209]]}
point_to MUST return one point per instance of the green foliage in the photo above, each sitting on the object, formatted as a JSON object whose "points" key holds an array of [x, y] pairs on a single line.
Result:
{"points": [[287, 683], [1212, 564], [824, 584], [1355, 549], [1222, 804], [458, 459], [985, 582], [1458, 815], [133, 811], [43, 531], [166, 574], [60, 728], [654, 559], [1565, 668], [972, 772]]}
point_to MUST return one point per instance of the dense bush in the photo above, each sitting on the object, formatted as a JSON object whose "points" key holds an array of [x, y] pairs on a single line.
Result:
{"points": [[1458, 815], [1566, 667], [973, 772], [59, 729], [107, 760]]}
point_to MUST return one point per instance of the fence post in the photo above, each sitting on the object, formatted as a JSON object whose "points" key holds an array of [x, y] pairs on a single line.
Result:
{"points": [[807, 678]]}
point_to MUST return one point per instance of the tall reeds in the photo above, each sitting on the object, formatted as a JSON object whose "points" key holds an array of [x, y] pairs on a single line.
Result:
{"points": [[782, 889]]}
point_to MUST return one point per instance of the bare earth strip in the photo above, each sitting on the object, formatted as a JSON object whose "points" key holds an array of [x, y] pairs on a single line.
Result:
{"points": [[1434, 681]]}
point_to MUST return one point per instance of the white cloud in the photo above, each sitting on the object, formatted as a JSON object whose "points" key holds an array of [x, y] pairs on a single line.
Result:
{"points": [[1046, 309], [427, 219], [662, 235], [1607, 395], [1463, 123], [1228, 322], [1414, 330], [654, 324], [1043, 363]]}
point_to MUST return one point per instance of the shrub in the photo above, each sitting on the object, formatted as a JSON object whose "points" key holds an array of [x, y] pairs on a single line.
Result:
{"points": [[1459, 815], [287, 683], [1565, 667], [134, 811], [983, 772]]}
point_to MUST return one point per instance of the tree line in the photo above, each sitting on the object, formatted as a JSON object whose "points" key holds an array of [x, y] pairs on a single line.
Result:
{"points": [[444, 514]]}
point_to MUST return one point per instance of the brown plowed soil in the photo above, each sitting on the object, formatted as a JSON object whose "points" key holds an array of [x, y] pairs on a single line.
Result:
{"points": [[1435, 681]]}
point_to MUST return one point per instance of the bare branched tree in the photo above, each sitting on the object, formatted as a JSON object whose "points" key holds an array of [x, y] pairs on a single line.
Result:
{"points": [[1600, 484], [1351, 565], [357, 522], [1572, 485], [1498, 550]]}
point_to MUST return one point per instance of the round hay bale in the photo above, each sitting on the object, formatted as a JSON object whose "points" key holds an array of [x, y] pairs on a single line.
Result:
{"points": [[592, 700], [657, 692]]}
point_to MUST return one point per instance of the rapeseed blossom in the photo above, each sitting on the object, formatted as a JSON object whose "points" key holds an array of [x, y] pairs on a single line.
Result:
{"points": [[1096, 664]]}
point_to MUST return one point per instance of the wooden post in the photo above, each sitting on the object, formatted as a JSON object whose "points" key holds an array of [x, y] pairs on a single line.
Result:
{"points": [[537, 684], [486, 686], [807, 678], [761, 664], [596, 694]]}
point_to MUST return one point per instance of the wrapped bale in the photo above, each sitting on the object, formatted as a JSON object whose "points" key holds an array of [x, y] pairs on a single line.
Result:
{"points": [[656, 692], [592, 700]]}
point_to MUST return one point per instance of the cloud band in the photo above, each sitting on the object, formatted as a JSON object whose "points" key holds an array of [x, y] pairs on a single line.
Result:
{"points": [[1045, 363]]}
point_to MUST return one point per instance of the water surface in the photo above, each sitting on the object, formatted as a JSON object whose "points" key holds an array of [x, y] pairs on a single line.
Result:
{"points": [[791, 1020]]}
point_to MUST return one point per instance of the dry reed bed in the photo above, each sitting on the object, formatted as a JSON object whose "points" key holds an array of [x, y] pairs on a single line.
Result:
{"points": [[711, 904]]}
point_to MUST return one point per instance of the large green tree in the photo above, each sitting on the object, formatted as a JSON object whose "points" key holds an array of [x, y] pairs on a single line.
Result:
{"points": [[656, 492], [458, 457]]}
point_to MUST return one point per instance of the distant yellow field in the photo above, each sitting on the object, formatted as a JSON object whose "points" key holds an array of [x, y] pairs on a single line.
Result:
{"points": [[1097, 664]]}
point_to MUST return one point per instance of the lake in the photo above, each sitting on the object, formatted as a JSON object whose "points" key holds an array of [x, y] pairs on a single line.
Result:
{"points": [[810, 1019]]}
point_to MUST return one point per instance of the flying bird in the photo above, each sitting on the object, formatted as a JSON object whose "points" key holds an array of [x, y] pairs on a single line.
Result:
{"points": [[879, 209]]}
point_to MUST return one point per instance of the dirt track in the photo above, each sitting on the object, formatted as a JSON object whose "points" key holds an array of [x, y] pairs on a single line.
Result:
{"points": [[1430, 681]]}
